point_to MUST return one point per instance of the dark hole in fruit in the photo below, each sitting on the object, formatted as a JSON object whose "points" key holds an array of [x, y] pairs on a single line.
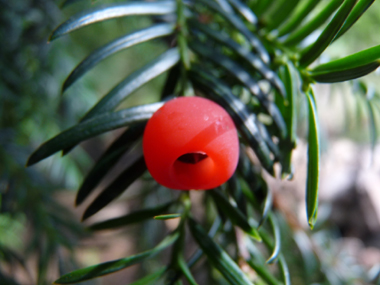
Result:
{"points": [[192, 157]]}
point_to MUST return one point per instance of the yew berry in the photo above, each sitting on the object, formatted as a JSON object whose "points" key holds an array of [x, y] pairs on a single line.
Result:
{"points": [[191, 143]]}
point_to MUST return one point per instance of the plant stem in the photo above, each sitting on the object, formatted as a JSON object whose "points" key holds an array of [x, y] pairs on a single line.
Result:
{"points": [[183, 49]]}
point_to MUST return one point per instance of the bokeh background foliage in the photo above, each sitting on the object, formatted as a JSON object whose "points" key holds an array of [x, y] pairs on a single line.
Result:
{"points": [[260, 60]]}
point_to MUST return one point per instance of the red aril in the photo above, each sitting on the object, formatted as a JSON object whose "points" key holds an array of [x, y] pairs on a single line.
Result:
{"points": [[191, 143]]}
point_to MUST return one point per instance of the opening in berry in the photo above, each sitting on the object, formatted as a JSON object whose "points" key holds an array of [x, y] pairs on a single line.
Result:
{"points": [[192, 157]]}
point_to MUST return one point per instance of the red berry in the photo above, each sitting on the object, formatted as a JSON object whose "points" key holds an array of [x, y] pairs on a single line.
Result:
{"points": [[191, 143]]}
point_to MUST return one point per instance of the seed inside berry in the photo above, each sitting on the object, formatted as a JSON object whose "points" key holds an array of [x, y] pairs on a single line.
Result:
{"points": [[192, 157]]}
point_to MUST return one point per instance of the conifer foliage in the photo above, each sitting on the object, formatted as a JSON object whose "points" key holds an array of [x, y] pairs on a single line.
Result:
{"points": [[251, 57]]}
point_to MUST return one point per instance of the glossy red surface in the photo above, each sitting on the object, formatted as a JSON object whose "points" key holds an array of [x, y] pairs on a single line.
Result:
{"points": [[191, 143]]}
